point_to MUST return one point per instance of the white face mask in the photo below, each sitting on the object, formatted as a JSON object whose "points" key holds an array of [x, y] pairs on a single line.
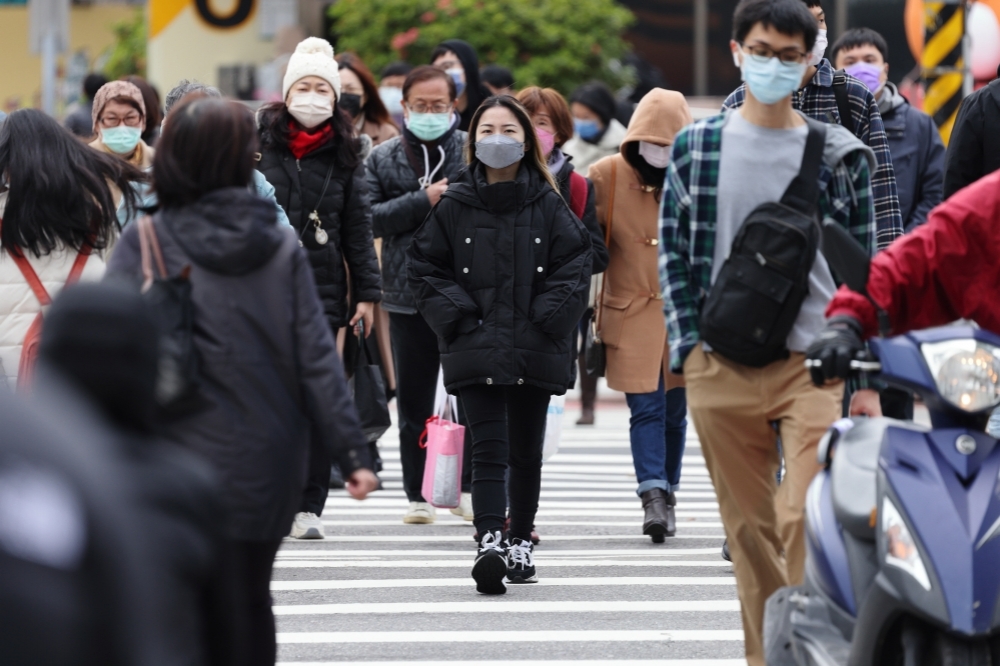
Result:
{"points": [[657, 156], [310, 109], [819, 48]]}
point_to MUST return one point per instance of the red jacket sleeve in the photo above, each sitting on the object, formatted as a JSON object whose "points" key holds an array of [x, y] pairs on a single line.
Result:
{"points": [[947, 269]]}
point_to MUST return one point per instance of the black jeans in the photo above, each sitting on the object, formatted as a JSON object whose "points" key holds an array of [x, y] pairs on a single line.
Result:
{"points": [[416, 357], [318, 481], [249, 565], [508, 428]]}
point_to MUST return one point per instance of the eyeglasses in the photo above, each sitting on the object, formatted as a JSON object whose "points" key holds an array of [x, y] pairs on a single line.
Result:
{"points": [[130, 120], [788, 57], [423, 108]]}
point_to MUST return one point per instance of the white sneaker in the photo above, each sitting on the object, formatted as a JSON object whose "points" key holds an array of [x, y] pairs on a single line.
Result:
{"points": [[307, 526], [420, 513], [464, 507]]}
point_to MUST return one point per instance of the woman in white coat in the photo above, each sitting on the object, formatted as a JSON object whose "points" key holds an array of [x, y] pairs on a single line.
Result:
{"points": [[57, 220]]}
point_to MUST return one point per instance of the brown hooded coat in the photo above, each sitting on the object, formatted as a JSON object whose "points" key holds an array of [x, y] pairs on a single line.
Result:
{"points": [[631, 320]]}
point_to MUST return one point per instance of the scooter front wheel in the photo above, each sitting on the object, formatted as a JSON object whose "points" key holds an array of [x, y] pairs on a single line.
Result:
{"points": [[935, 648]]}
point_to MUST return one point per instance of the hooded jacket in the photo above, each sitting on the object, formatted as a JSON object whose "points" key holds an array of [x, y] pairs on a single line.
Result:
{"points": [[974, 146], [269, 369], [400, 204], [501, 273], [585, 153], [917, 156], [631, 312], [345, 214], [475, 91]]}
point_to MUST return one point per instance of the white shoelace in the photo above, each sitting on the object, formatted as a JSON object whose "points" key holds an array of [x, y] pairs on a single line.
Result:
{"points": [[520, 553], [492, 541]]}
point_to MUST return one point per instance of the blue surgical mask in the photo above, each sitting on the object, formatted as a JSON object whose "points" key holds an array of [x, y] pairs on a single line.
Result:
{"points": [[393, 99], [458, 76], [587, 129], [769, 79], [120, 140], [428, 126]]}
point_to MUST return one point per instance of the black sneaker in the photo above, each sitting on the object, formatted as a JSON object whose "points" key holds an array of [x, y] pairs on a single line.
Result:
{"points": [[521, 562], [725, 551], [490, 568]]}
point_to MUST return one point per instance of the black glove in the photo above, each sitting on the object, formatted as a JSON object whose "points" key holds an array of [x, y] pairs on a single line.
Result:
{"points": [[833, 350]]}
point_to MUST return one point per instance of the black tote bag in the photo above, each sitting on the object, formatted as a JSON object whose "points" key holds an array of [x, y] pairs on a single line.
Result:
{"points": [[368, 389]]}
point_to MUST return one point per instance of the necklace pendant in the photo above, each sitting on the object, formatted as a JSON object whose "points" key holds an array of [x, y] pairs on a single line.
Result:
{"points": [[321, 236]]}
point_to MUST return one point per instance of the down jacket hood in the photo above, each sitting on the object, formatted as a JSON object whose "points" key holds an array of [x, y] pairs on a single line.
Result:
{"points": [[660, 115], [228, 231]]}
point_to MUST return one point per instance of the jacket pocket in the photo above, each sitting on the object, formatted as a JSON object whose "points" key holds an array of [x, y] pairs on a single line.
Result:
{"points": [[614, 309]]}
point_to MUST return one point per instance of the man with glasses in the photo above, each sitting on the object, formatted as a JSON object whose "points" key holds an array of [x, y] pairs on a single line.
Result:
{"points": [[406, 177], [722, 169], [837, 97]]}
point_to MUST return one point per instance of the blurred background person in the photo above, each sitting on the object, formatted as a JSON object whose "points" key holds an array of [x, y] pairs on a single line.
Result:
{"points": [[81, 122], [154, 112], [554, 127], [391, 89], [102, 341], [459, 59], [59, 221], [631, 322], [269, 371], [360, 98], [406, 177], [974, 146], [497, 79], [119, 121], [598, 133], [914, 141], [311, 157]]}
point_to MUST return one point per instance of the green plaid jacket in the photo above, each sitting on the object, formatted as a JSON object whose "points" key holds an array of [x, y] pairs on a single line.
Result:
{"points": [[688, 215]]}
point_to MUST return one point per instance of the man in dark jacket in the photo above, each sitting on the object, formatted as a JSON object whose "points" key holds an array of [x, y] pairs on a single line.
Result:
{"points": [[459, 60], [406, 177], [914, 141], [81, 121], [974, 148]]}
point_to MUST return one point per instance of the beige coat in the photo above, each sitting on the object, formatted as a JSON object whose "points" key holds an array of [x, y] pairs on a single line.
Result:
{"points": [[631, 320]]}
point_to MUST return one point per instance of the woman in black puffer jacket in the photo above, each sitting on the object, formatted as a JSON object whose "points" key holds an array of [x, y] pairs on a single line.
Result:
{"points": [[501, 272], [310, 156]]}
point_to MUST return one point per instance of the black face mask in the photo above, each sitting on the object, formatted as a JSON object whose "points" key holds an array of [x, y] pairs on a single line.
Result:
{"points": [[350, 103]]}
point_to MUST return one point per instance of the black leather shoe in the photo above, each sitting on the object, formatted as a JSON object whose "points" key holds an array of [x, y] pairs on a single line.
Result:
{"points": [[659, 515], [725, 551]]}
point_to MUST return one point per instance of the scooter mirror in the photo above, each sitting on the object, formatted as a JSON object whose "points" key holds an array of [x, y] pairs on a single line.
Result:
{"points": [[846, 256]]}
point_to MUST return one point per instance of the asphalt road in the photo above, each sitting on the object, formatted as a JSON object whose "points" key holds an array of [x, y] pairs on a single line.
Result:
{"points": [[381, 592]]}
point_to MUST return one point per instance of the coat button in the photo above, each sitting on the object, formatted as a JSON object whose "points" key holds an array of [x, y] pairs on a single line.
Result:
{"points": [[465, 270], [520, 381], [468, 240], [540, 269], [489, 380], [538, 240]]}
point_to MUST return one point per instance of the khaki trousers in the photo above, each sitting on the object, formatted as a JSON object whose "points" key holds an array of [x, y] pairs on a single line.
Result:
{"points": [[733, 407]]}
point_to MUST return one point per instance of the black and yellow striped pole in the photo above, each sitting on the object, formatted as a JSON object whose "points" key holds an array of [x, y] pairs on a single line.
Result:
{"points": [[943, 64]]}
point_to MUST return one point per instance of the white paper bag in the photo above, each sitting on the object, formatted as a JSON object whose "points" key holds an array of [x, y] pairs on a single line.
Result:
{"points": [[553, 426]]}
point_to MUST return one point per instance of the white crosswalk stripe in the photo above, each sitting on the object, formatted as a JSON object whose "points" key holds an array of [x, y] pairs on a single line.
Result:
{"points": [[382, 593]]}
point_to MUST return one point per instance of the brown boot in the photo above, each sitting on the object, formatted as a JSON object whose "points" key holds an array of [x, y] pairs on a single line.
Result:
{"points": [[588, 395], [659, 521]]}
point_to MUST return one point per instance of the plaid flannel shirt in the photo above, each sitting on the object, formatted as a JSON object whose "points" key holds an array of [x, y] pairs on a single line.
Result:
{"points": [[688, 217], [818, 101]]}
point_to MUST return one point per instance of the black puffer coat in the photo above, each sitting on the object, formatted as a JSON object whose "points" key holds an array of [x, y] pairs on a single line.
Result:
{"points": [[600, 259], [501, 273], [400, 204], [269, 365], [345, 214]]}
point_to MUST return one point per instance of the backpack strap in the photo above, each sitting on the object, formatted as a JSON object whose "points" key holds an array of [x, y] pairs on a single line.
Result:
{"points": [[577, 194], [31, 277], [803, 192], [843, 100]]}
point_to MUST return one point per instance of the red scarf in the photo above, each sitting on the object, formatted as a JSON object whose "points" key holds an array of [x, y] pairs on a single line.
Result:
{"points": [[301, 143]]}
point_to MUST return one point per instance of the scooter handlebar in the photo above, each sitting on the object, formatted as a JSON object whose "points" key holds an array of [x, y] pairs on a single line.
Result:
{"points": [[860, 366]]}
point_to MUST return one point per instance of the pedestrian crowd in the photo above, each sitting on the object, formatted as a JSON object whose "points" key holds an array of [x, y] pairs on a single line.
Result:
{"points": [[187, 406]]}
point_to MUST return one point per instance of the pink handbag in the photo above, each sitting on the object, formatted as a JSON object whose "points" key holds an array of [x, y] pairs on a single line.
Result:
{"points": [[445, 444]]}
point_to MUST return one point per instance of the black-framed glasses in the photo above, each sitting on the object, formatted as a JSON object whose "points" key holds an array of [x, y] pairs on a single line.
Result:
{"points": [[790, 57]]}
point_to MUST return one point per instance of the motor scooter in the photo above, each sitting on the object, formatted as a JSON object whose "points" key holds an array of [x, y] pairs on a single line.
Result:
{"points": [[903, 554]]}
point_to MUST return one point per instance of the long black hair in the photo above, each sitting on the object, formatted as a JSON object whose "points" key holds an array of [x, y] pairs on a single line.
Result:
{"points": [[274, 124], [533, 156], [59, 187]]}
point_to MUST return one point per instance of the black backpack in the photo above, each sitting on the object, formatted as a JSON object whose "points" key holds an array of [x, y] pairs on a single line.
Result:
{"points": [[759, 291]]}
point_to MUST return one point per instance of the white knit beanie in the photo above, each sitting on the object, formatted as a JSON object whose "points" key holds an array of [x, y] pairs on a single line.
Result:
{"points": [[313, 57]]}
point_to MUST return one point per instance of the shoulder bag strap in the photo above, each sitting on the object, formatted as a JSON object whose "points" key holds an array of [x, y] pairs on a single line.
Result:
{"points": [[149, 248], [843, 99], [803, 192], [607, 238]]}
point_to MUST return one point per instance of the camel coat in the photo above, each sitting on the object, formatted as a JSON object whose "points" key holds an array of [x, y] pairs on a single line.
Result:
{"points": [[630, 317]]}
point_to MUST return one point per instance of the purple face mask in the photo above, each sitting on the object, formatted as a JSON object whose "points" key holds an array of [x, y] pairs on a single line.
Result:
{"points": [[867, 73]]}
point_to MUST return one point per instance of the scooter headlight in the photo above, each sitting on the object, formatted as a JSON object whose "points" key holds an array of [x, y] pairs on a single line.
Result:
{"points": [[901, 548], [967, 372]]}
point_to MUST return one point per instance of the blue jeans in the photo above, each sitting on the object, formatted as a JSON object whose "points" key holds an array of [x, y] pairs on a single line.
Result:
{"points": [[658, 431]]}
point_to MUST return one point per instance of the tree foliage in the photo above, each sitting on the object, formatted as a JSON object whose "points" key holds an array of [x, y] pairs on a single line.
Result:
{"points": [[556, 43], [128, 55]]}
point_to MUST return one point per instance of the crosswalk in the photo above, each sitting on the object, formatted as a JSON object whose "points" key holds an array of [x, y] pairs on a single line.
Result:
{"points": [[382, 593]]}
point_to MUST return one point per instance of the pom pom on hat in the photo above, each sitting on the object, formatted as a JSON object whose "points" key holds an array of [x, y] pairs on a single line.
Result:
{"points": [[313, 57]]}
